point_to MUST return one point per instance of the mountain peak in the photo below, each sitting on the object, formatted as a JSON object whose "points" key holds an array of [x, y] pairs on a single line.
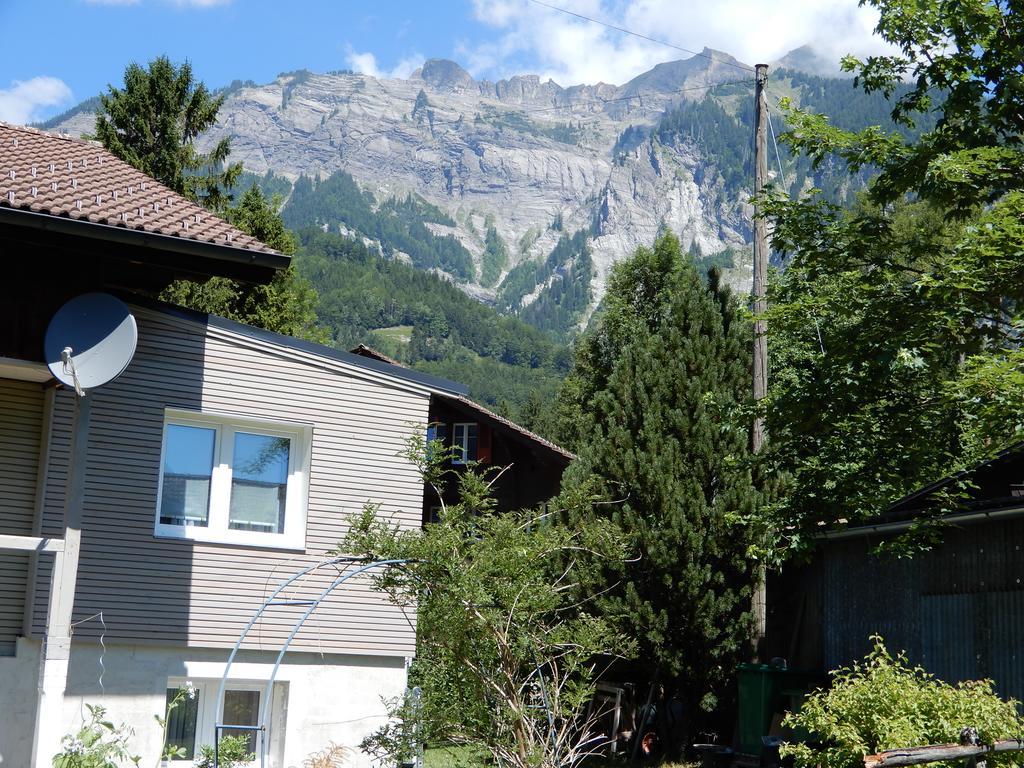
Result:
{"points": [[809, 60], [443, 73], [708, 67]]}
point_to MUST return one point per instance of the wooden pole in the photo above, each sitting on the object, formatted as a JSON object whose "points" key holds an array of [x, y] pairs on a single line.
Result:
{"points": [[758, 605]]}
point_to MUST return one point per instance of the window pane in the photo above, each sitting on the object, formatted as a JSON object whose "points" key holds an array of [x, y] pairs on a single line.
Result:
{"points": [[465, 443], [259, 482], [181, 724], [242, 708], [437, 439], [188, 465]]}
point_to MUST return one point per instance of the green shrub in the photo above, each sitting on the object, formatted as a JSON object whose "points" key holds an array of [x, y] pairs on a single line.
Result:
{"points": [[233, 752], [97, 744], [884, 703]]}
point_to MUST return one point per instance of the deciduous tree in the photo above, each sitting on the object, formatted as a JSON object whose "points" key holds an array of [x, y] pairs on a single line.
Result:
{"points": [[896, 325], [506, 661]]}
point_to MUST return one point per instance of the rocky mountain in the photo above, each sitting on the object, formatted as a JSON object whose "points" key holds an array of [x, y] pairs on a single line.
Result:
{"points": [[514, 155], [513, 169]]}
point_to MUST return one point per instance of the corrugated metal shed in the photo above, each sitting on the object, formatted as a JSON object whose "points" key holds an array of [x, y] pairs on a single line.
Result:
{"points": [[958, 610]]}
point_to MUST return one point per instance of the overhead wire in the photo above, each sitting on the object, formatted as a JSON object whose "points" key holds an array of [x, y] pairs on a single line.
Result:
{"points": [[778, 157], [640, 35]]}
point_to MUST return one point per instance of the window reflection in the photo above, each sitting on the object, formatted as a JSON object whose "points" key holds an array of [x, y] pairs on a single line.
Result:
{"points": [[259, 482], [181, 724], [188, 466], [242, 708]]}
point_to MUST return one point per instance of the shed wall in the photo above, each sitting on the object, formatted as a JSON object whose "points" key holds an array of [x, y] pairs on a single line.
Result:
{"points": [[957, 610]]}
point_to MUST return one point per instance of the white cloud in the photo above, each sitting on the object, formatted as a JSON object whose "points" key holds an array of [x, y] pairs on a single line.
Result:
{"points": [[366, 63], [406, 65], [22, 102], [363, 63], [571, 50]]}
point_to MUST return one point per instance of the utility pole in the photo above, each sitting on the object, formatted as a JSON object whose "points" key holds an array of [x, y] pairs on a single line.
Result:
{"points": [[758, 606]]}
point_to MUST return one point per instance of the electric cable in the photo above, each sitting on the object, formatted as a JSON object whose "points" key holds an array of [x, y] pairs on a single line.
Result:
{"points": [[778, 158]]}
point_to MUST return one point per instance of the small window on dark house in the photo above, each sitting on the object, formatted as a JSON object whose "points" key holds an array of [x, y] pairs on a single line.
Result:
{"points": [[464, 442], [437, 439]]}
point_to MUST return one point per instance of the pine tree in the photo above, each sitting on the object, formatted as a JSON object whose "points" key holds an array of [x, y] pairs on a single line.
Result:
{"points": [[152, 123], [286, 305], [665, 444]]}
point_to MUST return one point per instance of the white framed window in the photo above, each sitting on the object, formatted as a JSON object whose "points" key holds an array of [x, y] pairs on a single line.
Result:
{"points": [[464, 441], [192, 723], [233, 480], [437, 439]]}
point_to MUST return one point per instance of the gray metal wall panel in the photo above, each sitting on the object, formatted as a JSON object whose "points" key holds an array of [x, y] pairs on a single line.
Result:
{"points": [[947, 637], [957, 610], [178, 591], [21, 424], [867, 595], [1006, 649]]}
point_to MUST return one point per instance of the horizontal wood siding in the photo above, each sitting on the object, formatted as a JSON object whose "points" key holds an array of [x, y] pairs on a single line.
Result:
{"points": [[21, 424], [178, 591]]}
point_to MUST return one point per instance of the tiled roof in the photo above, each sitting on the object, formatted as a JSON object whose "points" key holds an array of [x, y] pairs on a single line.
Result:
{"points": [[60, 176]]}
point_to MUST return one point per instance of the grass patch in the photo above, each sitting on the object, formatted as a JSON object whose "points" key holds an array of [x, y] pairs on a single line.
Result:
{"points": [[400, 334], [455, 757]]}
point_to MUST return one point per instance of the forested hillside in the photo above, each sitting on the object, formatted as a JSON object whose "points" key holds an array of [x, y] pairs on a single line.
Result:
{"points": [[398, 225], [428, 323]]}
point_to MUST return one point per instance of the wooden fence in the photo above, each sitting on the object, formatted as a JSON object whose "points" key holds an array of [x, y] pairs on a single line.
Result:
{"points": [[969, 750]]}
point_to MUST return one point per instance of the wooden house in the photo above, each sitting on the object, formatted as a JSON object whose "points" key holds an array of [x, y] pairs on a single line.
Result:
{"points": [[222, 460]]}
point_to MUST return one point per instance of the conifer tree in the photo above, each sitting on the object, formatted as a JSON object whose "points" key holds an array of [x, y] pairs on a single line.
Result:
{"points": [[152, 123], [665, 381], [286, 305]]}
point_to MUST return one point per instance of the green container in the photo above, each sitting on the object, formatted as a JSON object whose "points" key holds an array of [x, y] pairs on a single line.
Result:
{"points": [[764, 690], [757, 684]]}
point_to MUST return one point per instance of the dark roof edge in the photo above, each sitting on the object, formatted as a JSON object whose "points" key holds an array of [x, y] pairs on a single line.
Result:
{"points": [[139, 238], [433, 383], [904, 502], [883, 528]]}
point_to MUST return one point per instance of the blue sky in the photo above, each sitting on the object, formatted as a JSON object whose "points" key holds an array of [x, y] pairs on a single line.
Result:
{"points": [[58, 52]]}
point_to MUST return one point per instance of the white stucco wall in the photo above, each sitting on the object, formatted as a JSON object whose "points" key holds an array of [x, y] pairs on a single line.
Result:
{"points": [[18, 681], [333, 698]]}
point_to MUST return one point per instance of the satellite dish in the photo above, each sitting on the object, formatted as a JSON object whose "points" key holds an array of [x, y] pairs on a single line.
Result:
{"points": [[90, 341]]}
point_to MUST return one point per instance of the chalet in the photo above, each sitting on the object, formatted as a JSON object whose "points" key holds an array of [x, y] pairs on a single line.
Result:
{"points": [[532, 466], [179, 535], [957, 610]]}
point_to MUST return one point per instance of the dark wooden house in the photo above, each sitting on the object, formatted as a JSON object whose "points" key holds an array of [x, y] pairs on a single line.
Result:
{"points": [[957, 610], [532, 466]]}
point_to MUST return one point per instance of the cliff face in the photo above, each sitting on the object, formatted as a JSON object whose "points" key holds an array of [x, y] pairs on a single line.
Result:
{"points": [[515, 154]]}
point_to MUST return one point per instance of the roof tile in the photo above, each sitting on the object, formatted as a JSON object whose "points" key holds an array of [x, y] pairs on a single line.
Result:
{"points": [[60, 176]]}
